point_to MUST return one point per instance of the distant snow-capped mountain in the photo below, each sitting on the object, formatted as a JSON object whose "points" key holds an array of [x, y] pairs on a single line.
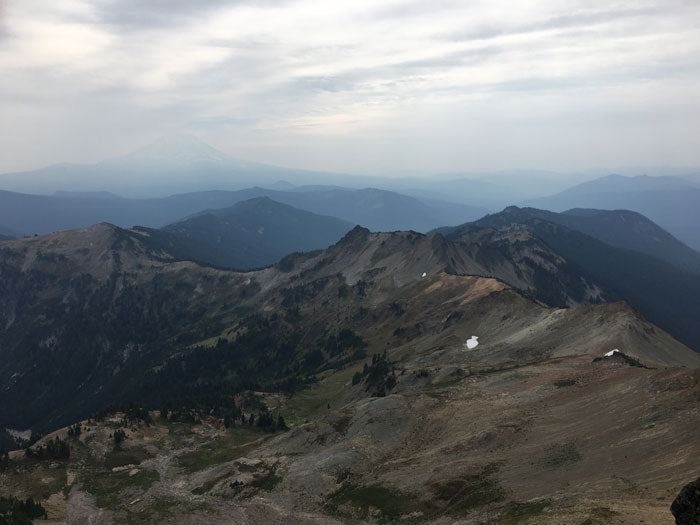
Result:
{"points": [[176, 150]]}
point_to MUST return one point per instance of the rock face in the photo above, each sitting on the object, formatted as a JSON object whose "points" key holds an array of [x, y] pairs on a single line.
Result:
{"points": [[686, 506], [563, 266]]}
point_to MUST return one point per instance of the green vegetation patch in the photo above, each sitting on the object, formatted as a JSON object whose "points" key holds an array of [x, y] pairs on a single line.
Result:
{"points": [[600, 516], [267, 482], [177, 429], [234, 443], [467, 493], [39, 483], [15, 511], [161, 509], [106, 487], [453, 379], [384, 503], [518, 512], [459, 495], [563, 383], [120, 458], [314, 400], [561, 454], [342, 424], [379, 377]]}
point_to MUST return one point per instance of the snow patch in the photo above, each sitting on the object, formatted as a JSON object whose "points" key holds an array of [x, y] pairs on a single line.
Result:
{"points": [[611, 352], [472, 342]]}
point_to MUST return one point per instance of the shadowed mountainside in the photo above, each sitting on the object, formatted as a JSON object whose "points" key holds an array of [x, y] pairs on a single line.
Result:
{"points": [[250, 234], [664, 293], [620, 228]]}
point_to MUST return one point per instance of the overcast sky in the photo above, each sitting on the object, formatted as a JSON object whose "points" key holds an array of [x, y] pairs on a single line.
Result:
{"points": [[363, 86]]}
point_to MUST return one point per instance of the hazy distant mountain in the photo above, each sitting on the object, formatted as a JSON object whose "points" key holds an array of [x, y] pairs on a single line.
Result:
{"points": [[630, 230], [498, 189], [671, 202], [666, 295], [87, 195], [171, 164], [184, 164], [175, 152], [692, 177], [375, 209], [617, 183], [7, 234], [38, 214], [250, 234], [378, 210]]}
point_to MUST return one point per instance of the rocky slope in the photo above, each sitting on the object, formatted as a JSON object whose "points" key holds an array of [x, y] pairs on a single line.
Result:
{"points": [[663, 292], [620, 228], [86, 313], [523, 427]]}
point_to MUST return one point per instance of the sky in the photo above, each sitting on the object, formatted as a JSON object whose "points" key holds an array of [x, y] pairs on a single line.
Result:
{"points": [[361, 86]]}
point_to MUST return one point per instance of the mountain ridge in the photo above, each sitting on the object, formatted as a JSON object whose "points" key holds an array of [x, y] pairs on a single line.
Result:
{"points": [[250, 234], [285, 391], [377, 209], [620, 228], [673, 203], [661, 291], [109, 271]]}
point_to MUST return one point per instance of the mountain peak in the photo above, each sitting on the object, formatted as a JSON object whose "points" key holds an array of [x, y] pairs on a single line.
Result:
{"points": [[178, 148], [357, 234]]}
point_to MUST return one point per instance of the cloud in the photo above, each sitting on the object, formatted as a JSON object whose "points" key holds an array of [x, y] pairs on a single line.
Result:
{"points": [[303, 82], [129, 15], [571, 20]]}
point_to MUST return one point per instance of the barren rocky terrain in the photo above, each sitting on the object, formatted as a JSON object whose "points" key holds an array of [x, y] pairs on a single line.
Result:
{"points": [[533, 425]]}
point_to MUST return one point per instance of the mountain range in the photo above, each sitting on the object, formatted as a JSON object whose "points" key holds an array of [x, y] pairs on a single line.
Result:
{"points": [[106, 295], [6, 234], [171, 164], [375, 209], [248, 354], [182, 164], [671, 202], [361, 349], [620, 228], [665, 293]]}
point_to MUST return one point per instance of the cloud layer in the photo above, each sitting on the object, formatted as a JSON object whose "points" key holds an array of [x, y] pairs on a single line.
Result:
{"points": [[390, 87]]}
